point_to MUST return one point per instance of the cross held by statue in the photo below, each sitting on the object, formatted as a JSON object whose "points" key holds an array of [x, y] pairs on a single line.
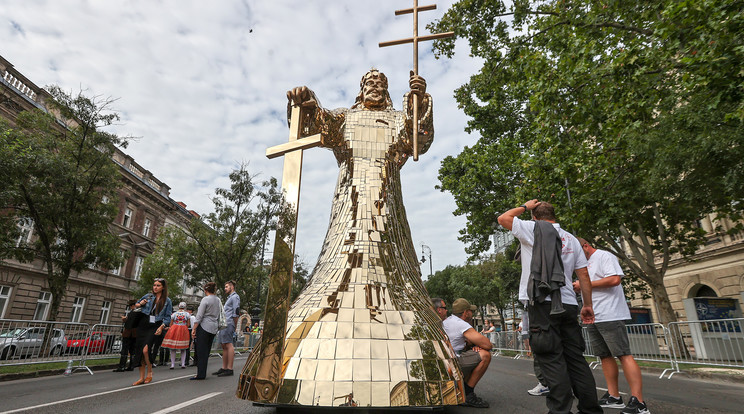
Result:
{"points": [[415, 41]]}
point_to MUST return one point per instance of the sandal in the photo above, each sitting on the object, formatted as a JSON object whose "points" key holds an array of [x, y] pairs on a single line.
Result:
{"points": [[139, 382]]}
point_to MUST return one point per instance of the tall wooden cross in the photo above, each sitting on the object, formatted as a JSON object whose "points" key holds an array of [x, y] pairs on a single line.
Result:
{"points": [[268, 373], [415, 40]]}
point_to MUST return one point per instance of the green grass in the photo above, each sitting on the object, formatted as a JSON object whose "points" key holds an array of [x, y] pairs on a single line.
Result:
{"points": [[15, 369]]}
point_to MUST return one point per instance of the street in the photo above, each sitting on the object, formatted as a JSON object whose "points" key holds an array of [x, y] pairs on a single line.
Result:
{"points": [[504, 387]]}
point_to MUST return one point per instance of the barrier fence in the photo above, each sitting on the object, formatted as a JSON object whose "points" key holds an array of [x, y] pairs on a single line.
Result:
{"points": [[678, 345], [25, 342]]}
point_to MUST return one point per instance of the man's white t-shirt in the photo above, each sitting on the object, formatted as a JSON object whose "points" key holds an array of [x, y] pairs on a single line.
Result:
{"points": [[609, 303], [571, 254], [455, 327]]}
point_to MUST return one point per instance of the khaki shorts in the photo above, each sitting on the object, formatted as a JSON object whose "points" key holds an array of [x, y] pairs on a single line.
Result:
{"points": [[608, 339], [468, 361]]}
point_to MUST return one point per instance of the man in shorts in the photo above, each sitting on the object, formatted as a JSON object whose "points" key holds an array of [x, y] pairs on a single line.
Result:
{"points": [[472, 348], [232, 312], [608, 336]]}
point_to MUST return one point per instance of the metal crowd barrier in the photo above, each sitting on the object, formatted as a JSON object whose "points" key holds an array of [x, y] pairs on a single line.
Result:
{"points": [[715, 343], [508, 341], [25, 342], [648, 342]]}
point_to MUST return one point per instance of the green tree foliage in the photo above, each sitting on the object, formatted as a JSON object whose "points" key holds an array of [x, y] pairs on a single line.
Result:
{"points": [[494, 281], [505, 271], [626, 115], [54, 173], [228, 243], [163, 264]]}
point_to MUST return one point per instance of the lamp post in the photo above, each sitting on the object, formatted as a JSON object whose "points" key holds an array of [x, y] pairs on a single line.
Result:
{"points": [[424, 248]]}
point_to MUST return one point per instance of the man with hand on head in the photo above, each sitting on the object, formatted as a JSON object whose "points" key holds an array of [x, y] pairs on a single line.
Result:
{"points": [[550, 256]]}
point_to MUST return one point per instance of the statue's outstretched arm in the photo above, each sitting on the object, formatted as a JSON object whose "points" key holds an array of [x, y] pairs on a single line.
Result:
{"points": [[315, 118]]}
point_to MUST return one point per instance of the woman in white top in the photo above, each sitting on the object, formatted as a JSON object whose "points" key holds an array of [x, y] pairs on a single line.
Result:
{"points": [[205, 328]]}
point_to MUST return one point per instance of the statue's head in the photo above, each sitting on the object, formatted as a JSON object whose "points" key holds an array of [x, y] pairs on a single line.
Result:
{"points": [[373, 93]]}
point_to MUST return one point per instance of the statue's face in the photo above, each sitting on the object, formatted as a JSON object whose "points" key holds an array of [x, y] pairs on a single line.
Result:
{"points": [[373, 92]]}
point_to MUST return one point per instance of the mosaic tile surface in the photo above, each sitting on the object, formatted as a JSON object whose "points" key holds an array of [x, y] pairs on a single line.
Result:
{"points": [[363, 332]]}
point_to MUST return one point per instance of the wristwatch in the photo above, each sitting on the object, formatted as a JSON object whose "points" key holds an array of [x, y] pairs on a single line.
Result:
{"points": [[524, 206]]}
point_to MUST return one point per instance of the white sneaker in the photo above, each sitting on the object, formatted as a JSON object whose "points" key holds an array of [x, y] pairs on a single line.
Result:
{"points": [[538, 390]]}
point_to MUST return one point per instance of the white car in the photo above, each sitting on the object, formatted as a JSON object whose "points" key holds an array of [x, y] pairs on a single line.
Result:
{"points": [[24, 342]]}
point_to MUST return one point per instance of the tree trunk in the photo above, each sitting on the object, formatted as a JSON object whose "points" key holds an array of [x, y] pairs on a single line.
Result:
{"points": [[667, 315]]}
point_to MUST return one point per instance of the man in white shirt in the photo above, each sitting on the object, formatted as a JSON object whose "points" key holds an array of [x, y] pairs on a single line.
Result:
{"points": [[472, 348], [608, 336], [555, 338]]}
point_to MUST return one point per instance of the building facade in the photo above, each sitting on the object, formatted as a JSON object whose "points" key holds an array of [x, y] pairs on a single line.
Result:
{"points": [[94, 295], [716, 270]]}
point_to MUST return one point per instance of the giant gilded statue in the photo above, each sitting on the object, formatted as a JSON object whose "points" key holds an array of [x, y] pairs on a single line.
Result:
{"points": [[363, 332]]}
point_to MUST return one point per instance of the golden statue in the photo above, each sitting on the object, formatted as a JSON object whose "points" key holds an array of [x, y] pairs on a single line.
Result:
{"points": [[362, 332]]}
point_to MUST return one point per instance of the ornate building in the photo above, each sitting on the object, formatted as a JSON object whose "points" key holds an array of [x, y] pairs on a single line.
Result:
{"points": [[94, 295], [716, 270]]}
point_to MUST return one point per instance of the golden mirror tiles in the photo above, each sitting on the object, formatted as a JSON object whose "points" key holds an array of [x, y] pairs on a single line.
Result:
{"points": [[362, 333]]}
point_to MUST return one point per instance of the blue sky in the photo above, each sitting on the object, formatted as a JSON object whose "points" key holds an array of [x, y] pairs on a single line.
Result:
{"points": [[204, 89]]}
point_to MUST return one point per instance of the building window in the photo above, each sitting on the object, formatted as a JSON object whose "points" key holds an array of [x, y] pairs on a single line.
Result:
{"points": [[139, 261], [127, 221], [26, 229], [4, 299], [42, 306], [105, 311], [119, 269], [77, 309], [146, 228]]}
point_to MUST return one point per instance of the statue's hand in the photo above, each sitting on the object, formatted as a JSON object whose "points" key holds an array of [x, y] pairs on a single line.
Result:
{"points": [[302, 96], [418, 85]]}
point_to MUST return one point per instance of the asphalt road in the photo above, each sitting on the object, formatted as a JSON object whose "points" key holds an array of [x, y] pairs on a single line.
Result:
{"points": [[504, 387]]}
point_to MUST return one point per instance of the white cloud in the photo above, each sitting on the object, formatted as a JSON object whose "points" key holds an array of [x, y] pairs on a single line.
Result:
{"points": [[204, 87]]}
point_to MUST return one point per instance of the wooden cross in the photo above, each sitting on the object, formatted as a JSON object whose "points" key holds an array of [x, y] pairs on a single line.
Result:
{"points": [[415, 40], [268, 374]]}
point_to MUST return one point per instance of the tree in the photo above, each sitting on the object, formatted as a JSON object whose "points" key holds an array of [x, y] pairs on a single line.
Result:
{"points": [[55, 171], [506, 272], [162, 264], [468, 281], [626, 115], [228, 243]]}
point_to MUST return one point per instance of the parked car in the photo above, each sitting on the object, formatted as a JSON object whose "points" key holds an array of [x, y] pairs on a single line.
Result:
{"points": [[96, 343], [24, 342]]}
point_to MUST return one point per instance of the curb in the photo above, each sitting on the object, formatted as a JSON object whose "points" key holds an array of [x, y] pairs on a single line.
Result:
{"points": [[48, 373]]}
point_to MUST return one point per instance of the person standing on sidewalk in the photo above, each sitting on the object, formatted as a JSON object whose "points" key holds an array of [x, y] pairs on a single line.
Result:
{"points": [[545, 285], [608, 335], [232, 313]]}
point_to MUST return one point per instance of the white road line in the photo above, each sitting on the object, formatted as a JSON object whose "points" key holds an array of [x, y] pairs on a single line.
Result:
{"points": [[17, 410], [601, 389], [187, 403]]}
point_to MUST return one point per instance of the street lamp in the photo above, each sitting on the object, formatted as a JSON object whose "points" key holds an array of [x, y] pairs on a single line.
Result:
{"points": [[424, 248]]}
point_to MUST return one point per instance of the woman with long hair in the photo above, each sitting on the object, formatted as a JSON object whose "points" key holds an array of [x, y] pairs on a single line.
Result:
{"points": [[156, 309], [205, 328]]}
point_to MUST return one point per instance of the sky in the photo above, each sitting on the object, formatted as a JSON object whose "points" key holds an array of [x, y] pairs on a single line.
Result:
{"points": [[203, 88]]}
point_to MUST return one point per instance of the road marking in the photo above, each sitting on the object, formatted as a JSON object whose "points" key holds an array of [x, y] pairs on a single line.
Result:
{"points": [[187, 403], [17, 410], [601, 389]]}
